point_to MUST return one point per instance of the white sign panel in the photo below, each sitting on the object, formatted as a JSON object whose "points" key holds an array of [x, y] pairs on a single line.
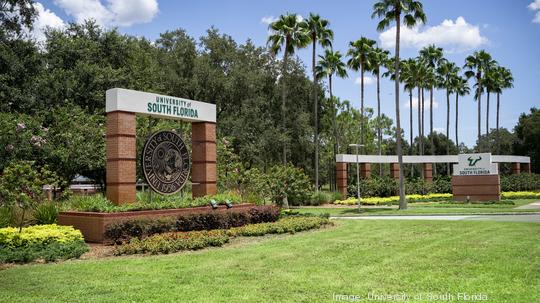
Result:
{"points": [[119, 99], [475, 165]]}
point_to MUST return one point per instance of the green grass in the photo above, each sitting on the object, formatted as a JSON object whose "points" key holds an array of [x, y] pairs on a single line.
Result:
{"points": [[498, 259], [443, 208]]}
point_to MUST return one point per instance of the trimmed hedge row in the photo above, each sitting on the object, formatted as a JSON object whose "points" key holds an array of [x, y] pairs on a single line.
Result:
{"points": [[124, 231], [193, 240], [48, 242]]}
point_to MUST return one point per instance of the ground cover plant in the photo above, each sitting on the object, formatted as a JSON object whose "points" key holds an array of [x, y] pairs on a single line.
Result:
{"points": [[354, 257], [48, 242]]}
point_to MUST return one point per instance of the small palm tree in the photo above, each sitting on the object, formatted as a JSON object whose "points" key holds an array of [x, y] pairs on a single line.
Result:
{"points": [[319, 34], [460, 87], [446, 73], [331, 64], [288, 33], [378, 59], [477, 64], [359, 52], [413, 13]]}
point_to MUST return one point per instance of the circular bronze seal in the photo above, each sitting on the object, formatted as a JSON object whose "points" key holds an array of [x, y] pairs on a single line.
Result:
{"points": [[165, 162]]}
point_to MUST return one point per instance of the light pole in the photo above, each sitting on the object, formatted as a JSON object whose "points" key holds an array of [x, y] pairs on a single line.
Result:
{"points": [[357, 172]]}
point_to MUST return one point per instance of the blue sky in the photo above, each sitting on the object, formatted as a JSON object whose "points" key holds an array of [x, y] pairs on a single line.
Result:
{"points": [[509, 30]]}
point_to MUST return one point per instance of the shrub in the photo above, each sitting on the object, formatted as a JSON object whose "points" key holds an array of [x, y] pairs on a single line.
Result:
{"points": [[47, 242], [324, 197], [178, 241], [291, 182], [520, 195], [442, 185], [6, 216], [123, 231], [520, 182], [46, 213], [172, 242], [395, 199], [286, 225]]}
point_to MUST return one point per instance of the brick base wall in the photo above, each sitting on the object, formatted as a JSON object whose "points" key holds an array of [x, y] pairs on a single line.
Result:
{"points": [[478, 188]]}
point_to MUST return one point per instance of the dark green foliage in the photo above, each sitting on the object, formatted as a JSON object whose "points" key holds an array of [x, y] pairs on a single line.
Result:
{"points": [[47, 251], [528, 132], [291, 182], [520, 182], [120, 232], [386, 186]]}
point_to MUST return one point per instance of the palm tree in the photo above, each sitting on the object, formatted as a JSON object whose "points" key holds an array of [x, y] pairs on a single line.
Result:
{"points": [[321, 34], [359, 52], [378, 59], [447, 71], [460, 87], [330, 64], [286, 33], [432, 55], [504, 81], [476, 64], [408, 77], [391, 11], [489, 79]]}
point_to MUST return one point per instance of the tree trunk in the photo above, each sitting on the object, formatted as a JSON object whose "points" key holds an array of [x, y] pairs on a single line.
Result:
{"points": [[419, 107], [402, 201], [457, 113], [448, 129], [411, 128], [283, 99], [423, 124], [487, 116], [479, 81], [431, 128], [379, 132], [335, 130], [361, 103], [497, 125], [315, 117]]}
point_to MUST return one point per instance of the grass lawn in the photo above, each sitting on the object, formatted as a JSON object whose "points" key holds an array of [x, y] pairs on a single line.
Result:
{"points": [[443, 208], [497, 259]]}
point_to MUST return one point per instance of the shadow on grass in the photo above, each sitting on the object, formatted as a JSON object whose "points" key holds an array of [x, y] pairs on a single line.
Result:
{"points": [[354, 211]]}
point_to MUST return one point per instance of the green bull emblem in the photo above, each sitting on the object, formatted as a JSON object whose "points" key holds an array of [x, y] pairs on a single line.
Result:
{"points": [[472, 161]]}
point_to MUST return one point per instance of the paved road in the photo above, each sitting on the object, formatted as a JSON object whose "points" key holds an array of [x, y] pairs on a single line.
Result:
{"points": [[503, 218]]}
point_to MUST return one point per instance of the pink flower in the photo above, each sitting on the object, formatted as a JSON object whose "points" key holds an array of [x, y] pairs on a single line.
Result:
{"points": [[37, 141]]}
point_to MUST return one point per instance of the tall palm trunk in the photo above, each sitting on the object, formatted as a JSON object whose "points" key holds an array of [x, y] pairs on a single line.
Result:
{"points": [[479, 81], [419, 106], [422, 135], [411, 128], [431, 127], [497, 125], [457, 113], [361, 103], [487, 117], [334, 124], [448, 128], [402, 201], [379, 132], [283, 100], [315, 116]]}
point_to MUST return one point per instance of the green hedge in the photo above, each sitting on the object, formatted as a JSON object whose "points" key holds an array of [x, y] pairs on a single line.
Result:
{"points": [[520, 182], [48, 242]]}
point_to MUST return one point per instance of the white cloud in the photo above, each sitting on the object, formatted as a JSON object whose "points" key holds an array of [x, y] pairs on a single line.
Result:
{"points": [[535, 6], [114, 13], [45, 18], [367, 80], [415, 103], [439, 130], [454, 36], [268, 19]]}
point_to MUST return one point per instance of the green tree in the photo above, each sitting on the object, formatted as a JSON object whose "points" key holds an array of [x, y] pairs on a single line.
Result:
{"points": [[447, 71], [286, 33], [16, 15], [329, 65], [528, 132], [413, 13], [476, 65], [378, 59], [459, 87], [319, 34], [503, 80], [360, 51]]}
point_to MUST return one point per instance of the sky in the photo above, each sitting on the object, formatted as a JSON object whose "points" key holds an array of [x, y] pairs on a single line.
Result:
{"points": [[509, 30]]}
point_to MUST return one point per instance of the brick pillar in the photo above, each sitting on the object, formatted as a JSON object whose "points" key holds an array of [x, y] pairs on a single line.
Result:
{"points": [[121, 157], [527, 168], [394, 170], [365, 170], [428, 172], [203, 169], [515, 168], [341, 178]]}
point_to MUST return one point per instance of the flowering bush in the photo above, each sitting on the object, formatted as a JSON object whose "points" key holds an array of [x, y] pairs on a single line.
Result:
{"points": [[520, 195], [286, 225], [48, 242], [395, 199]]}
